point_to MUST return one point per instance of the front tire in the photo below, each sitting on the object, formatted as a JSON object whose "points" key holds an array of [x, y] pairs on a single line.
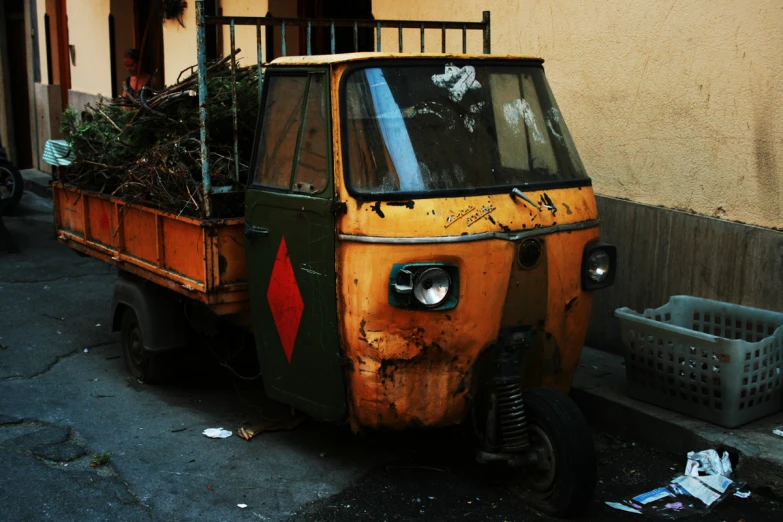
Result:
{"points": [[563, 480], [146, 366]]}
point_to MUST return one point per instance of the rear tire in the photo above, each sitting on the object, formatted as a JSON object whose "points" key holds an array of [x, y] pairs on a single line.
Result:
{"points": [[563, 484], [146, 366], [11, 186]]}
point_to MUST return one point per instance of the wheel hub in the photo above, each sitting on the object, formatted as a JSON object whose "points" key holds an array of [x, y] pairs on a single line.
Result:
{"points": [[136, 348], [541, 473]]}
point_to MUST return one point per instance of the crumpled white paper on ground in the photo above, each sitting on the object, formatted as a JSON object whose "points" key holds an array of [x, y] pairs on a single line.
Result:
{"points": [[216, 433], [708, 462]]}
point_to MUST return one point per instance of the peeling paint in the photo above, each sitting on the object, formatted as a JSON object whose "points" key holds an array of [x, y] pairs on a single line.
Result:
{"points": [[547, 203], [469, 122], [407, 204], [512, 111], [457, 80], [553, 115], [377, 209]]}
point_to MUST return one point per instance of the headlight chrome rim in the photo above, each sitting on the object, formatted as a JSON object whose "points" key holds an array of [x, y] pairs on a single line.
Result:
{"points": [[431, 287]]}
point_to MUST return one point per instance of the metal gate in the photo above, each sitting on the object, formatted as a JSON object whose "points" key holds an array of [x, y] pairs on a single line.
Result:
{"points": [[202, 20]]}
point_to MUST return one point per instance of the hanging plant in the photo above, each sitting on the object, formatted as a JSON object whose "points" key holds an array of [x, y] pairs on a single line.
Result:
{"points": [[173, 10]]}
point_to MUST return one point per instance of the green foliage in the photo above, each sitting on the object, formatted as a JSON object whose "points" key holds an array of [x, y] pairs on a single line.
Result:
{"points": [[100, 459], [148, 150]]}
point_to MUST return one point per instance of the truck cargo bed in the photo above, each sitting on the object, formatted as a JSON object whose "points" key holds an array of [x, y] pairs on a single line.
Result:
{"points": [[203, 259]]}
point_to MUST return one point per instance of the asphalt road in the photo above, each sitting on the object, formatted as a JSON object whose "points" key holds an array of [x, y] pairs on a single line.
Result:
{"points": [[65, 399]]}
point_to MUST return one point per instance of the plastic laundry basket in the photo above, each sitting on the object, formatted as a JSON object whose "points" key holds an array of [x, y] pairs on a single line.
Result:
{"points": [[715, 361]]}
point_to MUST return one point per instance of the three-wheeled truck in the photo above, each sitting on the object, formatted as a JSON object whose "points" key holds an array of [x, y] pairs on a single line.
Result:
{"points": [[419, 248]]}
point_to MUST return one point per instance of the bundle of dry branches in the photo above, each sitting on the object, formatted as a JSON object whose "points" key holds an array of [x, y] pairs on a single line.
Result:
{"points": [[146, 148]]}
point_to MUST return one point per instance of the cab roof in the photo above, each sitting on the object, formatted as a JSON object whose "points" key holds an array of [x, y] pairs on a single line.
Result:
{"points": [[329, 59]]}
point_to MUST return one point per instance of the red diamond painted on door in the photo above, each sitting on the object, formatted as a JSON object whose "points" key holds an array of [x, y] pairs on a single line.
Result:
{"points": [[285, 300]]}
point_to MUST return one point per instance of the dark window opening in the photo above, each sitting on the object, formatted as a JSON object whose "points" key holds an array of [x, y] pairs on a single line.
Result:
{"points": [[210, 9], [343, 36], [112, 57], [48, 37]]}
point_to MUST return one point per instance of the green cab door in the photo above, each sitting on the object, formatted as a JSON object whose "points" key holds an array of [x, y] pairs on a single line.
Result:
{"points": [[290, 242]]}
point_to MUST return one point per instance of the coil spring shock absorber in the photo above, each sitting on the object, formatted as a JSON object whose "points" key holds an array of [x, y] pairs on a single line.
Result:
{"points": [[506, 429], [511, 417]]}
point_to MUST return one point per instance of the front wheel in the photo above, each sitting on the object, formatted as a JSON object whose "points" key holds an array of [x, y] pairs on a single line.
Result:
{"points": [[562, 479], [146, 366]]}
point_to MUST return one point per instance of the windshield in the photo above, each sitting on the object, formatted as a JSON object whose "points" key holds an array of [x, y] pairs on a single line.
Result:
{"points": [[454, 126]]}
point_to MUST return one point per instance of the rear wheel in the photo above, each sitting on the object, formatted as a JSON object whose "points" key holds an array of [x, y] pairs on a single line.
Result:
{"points": [[146, 366], [562, 478]]}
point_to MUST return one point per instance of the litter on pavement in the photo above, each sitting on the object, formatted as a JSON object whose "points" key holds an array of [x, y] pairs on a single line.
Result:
{"points": [[778, 431], [283, 424], [216, 433], [708, 462], [704, 484]]}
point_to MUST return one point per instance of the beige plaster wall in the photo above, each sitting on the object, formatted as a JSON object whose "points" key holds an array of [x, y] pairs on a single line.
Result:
{"points": [[88, 32], [671, 103], [246, 39], [179, 44], [245, 35]]}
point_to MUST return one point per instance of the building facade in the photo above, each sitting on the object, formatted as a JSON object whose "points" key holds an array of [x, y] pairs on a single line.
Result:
{"points": [[675, 108]]}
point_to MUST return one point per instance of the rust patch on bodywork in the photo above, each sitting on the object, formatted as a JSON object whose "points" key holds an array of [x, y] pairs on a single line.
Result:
{"points": [[377, 209], [416, 365], [407, 204]]}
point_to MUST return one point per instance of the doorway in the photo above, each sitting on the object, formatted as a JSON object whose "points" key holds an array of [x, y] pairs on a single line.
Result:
{"points": [[320, 41], [343, 36], [58, 64], [16, 44], [148, 38], [122, 36]]}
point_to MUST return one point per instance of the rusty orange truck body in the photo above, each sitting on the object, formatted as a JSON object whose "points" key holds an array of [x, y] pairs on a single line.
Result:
{"points": [[419, 248], [201, 259]]}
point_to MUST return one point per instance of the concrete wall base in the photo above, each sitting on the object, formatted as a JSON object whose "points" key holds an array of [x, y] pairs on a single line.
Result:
{"points": [[49, 109], [663, 252], [78, 99]]}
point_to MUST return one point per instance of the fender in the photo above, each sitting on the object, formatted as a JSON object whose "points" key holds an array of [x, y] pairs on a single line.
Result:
{"points": [[160, 313]]}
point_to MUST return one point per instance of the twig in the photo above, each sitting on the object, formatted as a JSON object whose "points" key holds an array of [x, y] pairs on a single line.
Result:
{"points": [[109, 119], [112, 167]]}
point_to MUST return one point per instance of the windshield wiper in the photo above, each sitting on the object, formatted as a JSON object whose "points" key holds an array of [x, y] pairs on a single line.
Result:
{"points": [[547, 203], [518, 193]]}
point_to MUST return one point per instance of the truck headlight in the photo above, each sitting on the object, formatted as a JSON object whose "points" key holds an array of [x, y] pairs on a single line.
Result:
{"points": [[598, 266], [431, 286]]}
